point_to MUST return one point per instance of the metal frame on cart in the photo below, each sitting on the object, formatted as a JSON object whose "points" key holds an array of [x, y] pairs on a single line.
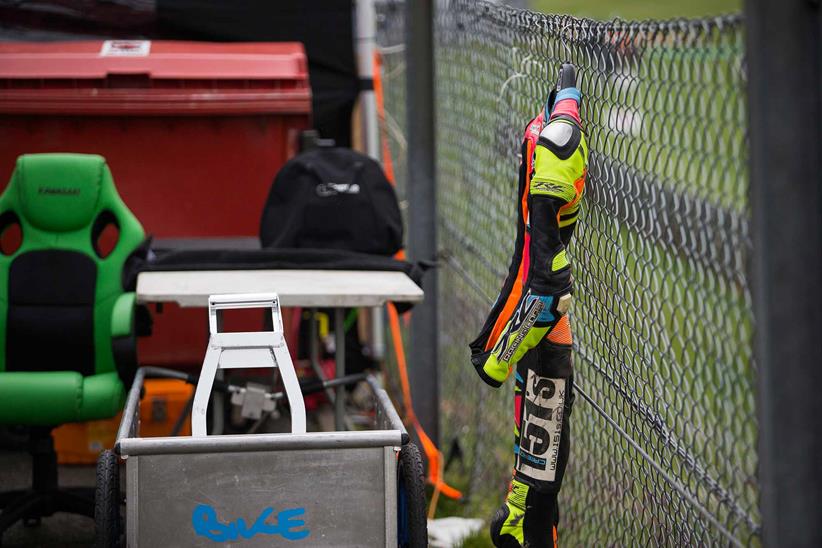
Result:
{"points": [[265, 349], [328, 488]]}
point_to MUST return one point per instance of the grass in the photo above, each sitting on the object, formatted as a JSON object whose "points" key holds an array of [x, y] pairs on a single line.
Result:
{"points": [[637, 10], [478, 540]]}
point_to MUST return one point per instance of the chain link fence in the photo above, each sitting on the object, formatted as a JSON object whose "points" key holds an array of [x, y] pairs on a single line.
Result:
{"points": [[664, 429]]}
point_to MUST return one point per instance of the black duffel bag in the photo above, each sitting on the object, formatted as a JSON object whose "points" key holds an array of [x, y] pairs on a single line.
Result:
{"points": [[332, 198]]}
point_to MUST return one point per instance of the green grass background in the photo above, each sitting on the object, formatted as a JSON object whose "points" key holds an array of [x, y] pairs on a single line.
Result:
{"points": [[626, 10], [637, 9], [653, 263]]}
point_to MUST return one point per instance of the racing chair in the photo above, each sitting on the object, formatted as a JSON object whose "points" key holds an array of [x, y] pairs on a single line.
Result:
{"points": [[67, 337]]}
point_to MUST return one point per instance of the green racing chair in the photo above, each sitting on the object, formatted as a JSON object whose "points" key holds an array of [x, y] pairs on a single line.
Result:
{"points": [[67, 337]]}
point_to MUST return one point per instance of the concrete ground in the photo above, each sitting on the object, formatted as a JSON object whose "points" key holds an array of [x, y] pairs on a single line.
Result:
{"points": [[58, 530]]}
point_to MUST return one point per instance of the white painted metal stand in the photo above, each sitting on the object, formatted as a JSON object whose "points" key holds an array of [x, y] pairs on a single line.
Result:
{"points": [[243, 351]]}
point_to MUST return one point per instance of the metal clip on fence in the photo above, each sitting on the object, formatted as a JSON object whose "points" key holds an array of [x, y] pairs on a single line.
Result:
{"points": [[243, 351]]}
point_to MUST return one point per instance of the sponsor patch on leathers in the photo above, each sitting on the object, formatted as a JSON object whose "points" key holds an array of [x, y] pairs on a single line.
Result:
{"points": [[541, 427]]}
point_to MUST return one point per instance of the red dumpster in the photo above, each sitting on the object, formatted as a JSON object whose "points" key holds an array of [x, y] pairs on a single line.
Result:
{"points": [[193, 132]]}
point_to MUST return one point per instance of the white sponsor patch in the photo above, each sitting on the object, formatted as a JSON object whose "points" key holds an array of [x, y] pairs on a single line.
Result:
{"points": [[125, 48], [533, 308], [541, 427]]}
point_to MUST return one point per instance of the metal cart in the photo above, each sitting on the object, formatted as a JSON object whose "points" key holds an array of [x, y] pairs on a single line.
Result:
{"points": [[352, 488]]}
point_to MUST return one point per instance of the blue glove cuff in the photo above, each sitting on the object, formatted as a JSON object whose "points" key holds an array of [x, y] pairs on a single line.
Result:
{"points": [[567, 93]]}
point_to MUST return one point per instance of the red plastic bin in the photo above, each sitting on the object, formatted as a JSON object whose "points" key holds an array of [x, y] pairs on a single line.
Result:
{"points": [[194, 133]]}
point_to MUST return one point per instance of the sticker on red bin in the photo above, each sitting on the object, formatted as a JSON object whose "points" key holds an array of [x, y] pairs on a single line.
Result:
{"points": [[125, 48]]}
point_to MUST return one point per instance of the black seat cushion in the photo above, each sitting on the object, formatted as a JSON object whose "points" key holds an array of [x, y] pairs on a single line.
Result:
{"points": [[50, 322]]}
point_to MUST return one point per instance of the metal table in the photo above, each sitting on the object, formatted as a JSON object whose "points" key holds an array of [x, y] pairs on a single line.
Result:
{"points": [[337, 289]]}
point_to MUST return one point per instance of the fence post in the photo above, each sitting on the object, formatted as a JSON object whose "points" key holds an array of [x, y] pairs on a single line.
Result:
{"points": [[784, 91], [422, 214]]}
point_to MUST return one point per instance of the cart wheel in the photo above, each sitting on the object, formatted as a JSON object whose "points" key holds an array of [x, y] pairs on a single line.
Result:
{"points": [[107, 500], [412, 527]]}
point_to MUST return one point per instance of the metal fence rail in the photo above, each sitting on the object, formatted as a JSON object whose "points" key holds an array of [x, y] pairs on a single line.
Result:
{"points": [[664, 434]]}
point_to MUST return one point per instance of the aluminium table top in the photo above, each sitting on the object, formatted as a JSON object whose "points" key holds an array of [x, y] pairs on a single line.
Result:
{"points": [[305, 288]]}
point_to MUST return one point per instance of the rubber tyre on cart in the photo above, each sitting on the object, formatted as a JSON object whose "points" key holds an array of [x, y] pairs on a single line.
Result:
{"points": [[107, 500], [412, 529]]}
